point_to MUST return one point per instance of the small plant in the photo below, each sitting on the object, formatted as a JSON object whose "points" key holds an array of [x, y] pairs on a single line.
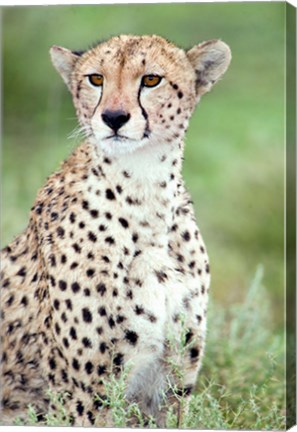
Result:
{"points": [[59, 417], [123, 412]]}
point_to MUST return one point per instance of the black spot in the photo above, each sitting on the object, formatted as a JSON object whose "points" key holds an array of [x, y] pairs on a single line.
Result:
{"points": [[207, 268], [161, 276], [118, 359], [109, 240], [132, 201], [39, 208], [102, 228], [85, 205], [72, 217], [87, 316], [62, 285], [87, 292], [56, 304], [75, 364], [60, 232], [102, 347], [91, 417], [139, 310], [57, 328], [101, 288], [101, 369], [180, 258], [180, 95], [124, 222], [109, 194], [92, 236], [75, 287], [80, 408], [94, 213], [73, 265], [111, 322], [186, 391], [120, 319], [63, 259], [22, 271], [115, 292], [131, 336], [135, 237], [65, 342], [102, 311], [54, 216], [186, 236], [10, 300], [52, 363], [6, 283], [130, 294], [64, 375], [89, 367], [86, 342], [90, 272], [194, 353], [52, 259], [119, 189], [24, 301], [72, 333], [152, 318], [76, 248], [189, 336]]}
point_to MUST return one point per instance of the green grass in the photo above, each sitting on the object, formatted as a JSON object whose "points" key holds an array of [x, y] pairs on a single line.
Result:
{"points": [[241, 384]]}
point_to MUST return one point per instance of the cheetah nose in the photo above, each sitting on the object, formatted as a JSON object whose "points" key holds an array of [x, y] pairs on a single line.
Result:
{"points": [[115, 119]]}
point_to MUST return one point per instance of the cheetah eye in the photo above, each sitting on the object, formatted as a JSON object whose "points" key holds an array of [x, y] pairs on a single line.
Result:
{"points": [[96, 80], [151, 80]]}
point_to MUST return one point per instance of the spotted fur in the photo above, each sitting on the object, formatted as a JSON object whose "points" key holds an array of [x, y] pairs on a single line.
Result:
{"points": [[112, 266]]}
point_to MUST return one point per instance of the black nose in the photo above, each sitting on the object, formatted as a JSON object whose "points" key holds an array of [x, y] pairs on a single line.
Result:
{"points": [[115, 119]]}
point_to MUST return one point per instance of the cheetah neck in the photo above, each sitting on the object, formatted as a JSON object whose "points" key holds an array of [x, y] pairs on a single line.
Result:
{"points": [[147, 167]]}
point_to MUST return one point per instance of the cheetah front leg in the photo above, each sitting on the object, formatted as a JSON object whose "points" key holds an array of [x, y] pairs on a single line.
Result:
{"points": [[187, 330]]}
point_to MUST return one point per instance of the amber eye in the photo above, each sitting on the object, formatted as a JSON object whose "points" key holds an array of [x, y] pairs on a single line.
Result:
{"points": [[96, 80], [151, 80]]}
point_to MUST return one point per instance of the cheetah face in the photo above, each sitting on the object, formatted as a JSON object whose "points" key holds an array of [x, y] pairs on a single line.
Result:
{"points": [[131, 92]]}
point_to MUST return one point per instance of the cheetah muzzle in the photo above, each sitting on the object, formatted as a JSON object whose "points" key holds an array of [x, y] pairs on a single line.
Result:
{"points": [[112, 272]]}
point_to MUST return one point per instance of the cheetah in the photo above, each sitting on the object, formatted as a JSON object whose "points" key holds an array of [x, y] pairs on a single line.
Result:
{"points": [[112, 270]]}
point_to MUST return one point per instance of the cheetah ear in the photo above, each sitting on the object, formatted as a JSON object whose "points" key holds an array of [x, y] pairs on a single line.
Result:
{"points": [[210, 60], [64, 60]]}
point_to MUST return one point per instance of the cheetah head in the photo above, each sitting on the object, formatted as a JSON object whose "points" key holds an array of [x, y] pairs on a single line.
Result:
{"points": [[132, 92]]}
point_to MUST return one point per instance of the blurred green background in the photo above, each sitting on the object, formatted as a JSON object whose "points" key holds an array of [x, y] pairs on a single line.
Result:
{"points": [[234, 161]]}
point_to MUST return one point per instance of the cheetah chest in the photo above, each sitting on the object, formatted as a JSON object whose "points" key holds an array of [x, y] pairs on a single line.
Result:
{"points": [[117, 289]]}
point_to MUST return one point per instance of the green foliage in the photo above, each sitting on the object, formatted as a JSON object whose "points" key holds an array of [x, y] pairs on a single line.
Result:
{"points": [[241, 385]]}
